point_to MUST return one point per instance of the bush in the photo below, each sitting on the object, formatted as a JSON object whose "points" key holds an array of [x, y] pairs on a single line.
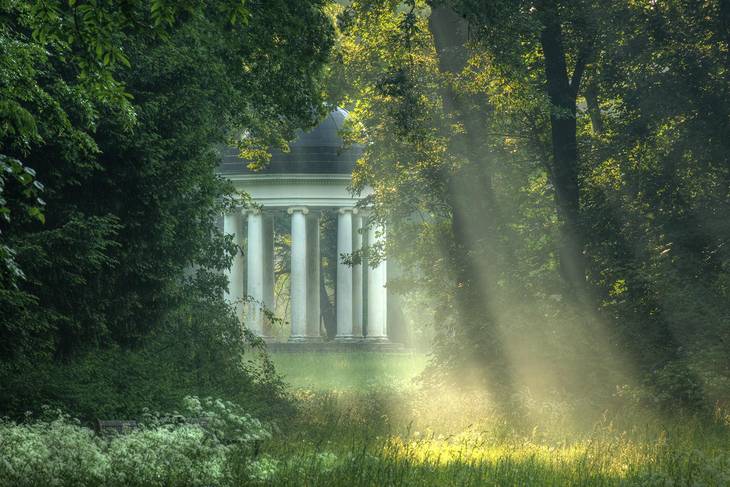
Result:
{"points": [[54, 453], [201, 350], [169, 455], [168, 450], [227, 422]]}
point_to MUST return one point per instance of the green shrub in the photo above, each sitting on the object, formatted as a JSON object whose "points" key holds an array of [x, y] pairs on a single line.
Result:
{"points": [[53, 453], [168, 450], [227, 422], [116, 383], [169, 455]]}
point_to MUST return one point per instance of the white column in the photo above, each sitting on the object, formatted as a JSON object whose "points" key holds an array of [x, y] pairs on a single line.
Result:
{"points": [[377, 294], [233, 225], [313, 312], [298, 278], [255, 274], [344, 275], [268, 280], [357, 295]]}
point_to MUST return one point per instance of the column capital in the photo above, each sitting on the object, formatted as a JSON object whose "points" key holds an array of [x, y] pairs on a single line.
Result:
{"points": [[351, 209], [250, 211], [296, 209]]}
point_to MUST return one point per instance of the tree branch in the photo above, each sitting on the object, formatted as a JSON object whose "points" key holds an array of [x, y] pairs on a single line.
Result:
{"points": [[580, 67]]}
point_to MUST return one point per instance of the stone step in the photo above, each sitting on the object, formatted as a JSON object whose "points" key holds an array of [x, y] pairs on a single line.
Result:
{"points": [[335, 346]]}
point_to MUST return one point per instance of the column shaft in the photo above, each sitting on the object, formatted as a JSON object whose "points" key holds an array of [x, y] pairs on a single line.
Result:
{"points": [[255, 274], [298, 278], [313, 311], [357, 291], [268, 280], [377, 293], [344, 275]]}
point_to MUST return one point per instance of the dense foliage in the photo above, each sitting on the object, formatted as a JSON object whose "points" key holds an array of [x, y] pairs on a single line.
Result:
{"points": [[124, 254], [553, 175]]}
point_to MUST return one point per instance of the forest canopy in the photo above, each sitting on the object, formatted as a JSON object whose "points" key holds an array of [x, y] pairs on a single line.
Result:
{"points": [[553, 172]]}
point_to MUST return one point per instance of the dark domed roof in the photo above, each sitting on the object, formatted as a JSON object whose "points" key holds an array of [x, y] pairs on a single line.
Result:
{"points": [[318, 151]]}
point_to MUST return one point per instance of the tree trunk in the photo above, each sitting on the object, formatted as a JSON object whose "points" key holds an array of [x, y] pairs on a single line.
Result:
{"points": [[476, 216], [328, 309], [562, 93]]}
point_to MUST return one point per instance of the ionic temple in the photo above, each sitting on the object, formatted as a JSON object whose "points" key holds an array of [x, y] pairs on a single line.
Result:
{"points": [[312, 178]]}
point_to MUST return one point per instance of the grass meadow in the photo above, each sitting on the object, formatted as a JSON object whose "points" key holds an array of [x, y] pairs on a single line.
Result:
{"points": [[362, 420]]}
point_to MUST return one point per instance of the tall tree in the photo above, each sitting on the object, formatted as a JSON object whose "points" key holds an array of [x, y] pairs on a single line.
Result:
{"points": [[128, 165], [430, 166], [518, 34], [476, 221]]}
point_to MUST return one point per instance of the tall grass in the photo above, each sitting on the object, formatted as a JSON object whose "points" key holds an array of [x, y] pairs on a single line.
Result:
{"points": [[357, 426], [350, 440]]}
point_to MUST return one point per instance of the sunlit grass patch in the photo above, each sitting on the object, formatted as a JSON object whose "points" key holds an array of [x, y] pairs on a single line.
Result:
{"points": [[607, 457], [609, 461], [362, 421]]}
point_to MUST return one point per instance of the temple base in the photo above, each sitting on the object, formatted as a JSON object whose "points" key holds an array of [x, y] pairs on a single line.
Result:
{"points": [[378, 340], [348, 338], [298, 340], [337, 346]]}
